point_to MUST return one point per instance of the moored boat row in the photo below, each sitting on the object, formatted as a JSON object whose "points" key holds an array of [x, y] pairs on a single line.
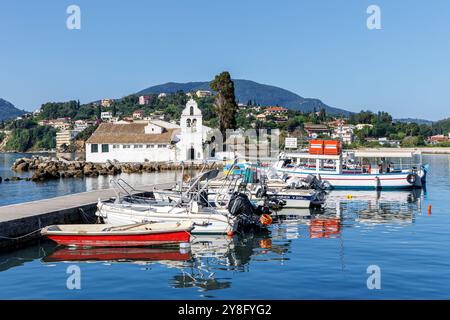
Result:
{"points": [[241, 198]]}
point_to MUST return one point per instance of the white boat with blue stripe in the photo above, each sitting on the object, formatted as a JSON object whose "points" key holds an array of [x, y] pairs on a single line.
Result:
{"points": [[359, 169]]}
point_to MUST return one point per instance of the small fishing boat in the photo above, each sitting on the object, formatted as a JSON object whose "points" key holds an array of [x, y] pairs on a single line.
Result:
{"points": [[134, 235], [205, 220], [189, 204]]}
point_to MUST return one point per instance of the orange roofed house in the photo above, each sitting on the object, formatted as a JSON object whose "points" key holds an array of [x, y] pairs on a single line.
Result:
{"points": [[439, 138]]}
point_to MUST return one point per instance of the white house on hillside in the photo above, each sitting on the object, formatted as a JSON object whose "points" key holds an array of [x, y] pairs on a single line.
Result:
{"points": [[155, 140]]}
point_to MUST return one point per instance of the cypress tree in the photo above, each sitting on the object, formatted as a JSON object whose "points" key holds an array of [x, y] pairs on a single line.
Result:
{"points": [[225, 105]]}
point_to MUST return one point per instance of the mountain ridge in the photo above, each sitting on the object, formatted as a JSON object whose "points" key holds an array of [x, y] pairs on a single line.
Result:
{"points": [[8, 110], [246, 90]]}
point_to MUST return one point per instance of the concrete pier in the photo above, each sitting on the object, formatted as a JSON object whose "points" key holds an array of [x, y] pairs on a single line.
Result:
{"points": [[19, 222]]}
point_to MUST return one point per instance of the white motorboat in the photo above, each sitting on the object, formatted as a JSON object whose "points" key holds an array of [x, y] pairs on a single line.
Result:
{"points": [[206, 220], [185, 205], [358, 169]]}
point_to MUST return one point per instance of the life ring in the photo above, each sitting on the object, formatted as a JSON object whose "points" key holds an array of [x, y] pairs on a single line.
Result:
{"points": [[411, 178]]}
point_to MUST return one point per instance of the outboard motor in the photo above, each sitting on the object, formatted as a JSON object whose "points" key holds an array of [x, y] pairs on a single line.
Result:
{"points": [[249, 215], [239, 204], [316, 184]]}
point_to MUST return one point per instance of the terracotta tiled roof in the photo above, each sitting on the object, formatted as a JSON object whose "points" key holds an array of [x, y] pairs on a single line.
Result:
{"points": [[315, 126], [276, 108], [129, 133]]}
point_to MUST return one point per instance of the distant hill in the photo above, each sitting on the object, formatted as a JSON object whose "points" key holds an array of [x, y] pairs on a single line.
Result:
{"points": [[246, 90], [8, 111], [414, 120]]}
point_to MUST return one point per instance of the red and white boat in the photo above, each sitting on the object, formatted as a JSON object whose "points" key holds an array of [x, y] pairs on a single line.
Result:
{"points": [[134, 235]]}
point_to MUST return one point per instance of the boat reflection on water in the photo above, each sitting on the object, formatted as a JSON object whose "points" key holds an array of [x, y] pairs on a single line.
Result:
{"points": [[198, 265], [62, 254], [211, 255], [346, 209], [374, 207], [319, 223]]}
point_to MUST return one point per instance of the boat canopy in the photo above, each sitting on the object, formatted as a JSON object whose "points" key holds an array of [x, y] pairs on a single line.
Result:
{"points": [[384, 154], [311, 156]]}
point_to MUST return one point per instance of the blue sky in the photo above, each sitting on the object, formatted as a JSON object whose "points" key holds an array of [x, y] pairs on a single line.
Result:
{"points": [[319, 49]]}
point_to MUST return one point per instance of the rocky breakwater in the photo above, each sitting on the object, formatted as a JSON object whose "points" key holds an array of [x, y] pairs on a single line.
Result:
{"points": [[46, 168]]}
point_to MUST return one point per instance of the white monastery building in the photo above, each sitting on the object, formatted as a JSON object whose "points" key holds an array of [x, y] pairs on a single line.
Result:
{"points": [[153, 140]]}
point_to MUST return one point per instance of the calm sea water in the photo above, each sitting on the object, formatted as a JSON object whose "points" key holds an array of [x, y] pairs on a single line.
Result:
{"points": [[306, 254]]}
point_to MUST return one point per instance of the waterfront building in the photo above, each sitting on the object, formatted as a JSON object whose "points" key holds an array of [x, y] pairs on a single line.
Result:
{"points": [[144, 100], [153, 140], [65, 137], [438, 138]]}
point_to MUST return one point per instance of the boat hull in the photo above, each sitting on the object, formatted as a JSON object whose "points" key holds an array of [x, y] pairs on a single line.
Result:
{"points": [[203, 223], [361, 181], [140, 240]]}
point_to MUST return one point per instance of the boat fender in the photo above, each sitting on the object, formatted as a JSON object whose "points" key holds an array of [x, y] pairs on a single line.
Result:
{"points": [[411, 178], [265, 219]]}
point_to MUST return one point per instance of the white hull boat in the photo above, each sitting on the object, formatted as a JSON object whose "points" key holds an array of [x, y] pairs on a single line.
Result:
{"points": [[334, 170], [206, 220]]}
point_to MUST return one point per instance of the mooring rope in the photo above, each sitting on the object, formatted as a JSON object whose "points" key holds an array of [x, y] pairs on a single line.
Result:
{"points": [[20, 237]]}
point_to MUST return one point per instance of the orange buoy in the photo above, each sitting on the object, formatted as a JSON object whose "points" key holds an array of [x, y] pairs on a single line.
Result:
{"points": [[265, 219], [429, 209]]}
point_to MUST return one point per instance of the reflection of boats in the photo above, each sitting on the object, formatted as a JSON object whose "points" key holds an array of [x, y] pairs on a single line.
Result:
{"points": [[288, 215], [117, 254], [376, 206], [324, 227], [401, 196], [134, 235], [212, 254]]}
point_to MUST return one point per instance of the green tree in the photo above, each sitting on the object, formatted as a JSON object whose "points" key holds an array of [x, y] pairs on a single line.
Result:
{"points": [[99, 112], [114, 110], [225, 101]]}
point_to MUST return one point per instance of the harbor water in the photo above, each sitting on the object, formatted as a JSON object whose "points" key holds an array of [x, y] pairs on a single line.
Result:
{"points": [[332, 253]]}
